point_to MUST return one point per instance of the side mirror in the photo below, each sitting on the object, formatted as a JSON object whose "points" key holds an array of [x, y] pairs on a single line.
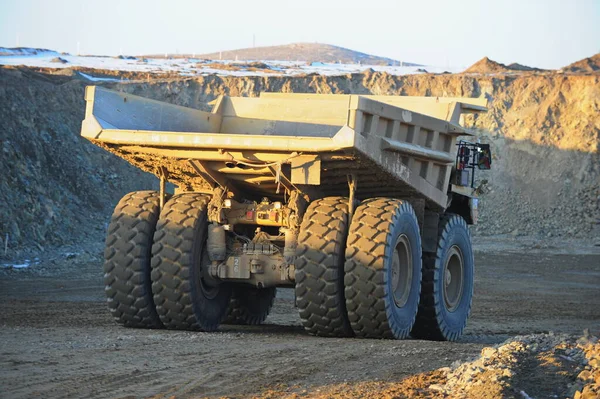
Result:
{"points": [[484, 156]]}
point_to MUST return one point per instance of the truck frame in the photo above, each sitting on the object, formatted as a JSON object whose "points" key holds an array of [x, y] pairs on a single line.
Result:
{"points": [[360, 203]]}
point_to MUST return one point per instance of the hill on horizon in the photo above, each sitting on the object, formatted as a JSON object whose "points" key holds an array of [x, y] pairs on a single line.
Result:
{"points": [[485, 65], [308, 52], [589, 64]]}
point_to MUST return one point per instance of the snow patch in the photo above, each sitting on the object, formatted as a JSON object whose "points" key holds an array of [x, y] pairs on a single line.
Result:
{"points": [[24, 265], [192, 67], [95, 79]]}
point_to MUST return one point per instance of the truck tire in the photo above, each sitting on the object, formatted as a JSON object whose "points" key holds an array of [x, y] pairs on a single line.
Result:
{"points": [[127, 254], [383, 269], [184, 299], [320, 257], [249, 305], [447, 286]]}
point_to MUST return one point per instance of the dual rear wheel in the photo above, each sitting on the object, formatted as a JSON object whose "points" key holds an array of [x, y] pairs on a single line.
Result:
{"points": [[368, 277], [155, 268], [383, 269], [365, 277]]}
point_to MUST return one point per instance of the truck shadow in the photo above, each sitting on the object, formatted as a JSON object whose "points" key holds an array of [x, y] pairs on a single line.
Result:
{"points": [[533, 373], [265, 329]]}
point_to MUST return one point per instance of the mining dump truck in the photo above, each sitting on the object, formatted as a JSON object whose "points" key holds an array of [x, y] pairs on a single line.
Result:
{"points": [[359, 203]]}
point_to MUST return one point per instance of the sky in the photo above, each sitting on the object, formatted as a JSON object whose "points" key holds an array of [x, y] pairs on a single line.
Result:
{"points": [[539, 33]]}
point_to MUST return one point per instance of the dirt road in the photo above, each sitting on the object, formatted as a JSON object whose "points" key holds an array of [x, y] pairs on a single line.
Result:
{"points": [[58, 340]]}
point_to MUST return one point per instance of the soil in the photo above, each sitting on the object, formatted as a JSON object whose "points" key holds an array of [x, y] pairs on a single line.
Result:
{"points": [[56, 188], [58, 340], [487, 66]]}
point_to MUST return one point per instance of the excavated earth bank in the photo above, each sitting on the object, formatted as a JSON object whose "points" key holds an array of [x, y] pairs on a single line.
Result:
{"points": [[544, 129]]}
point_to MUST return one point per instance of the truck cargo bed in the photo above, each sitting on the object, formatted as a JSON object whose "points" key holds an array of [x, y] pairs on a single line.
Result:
{"points": [[393, 146]]}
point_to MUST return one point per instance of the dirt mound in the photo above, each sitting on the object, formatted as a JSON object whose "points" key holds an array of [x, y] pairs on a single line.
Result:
{"points": [[520, 67], [589, 64], [544, 131], [308, 52], [543, 365], [485, 65], [56, 188]]}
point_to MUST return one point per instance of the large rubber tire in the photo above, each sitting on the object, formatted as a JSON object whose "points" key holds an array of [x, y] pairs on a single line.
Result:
{"points": [[249, 305], [183, 298], [320, 257], [127, 254], [383, 269], [439, 317]]}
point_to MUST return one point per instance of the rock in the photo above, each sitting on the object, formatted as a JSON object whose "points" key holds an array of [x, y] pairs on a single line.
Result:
{"points": [[436, 387], [585, 375], [488, 352]]}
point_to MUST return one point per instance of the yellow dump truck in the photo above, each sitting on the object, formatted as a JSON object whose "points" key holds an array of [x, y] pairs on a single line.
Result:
{"points": [[360, 203]]}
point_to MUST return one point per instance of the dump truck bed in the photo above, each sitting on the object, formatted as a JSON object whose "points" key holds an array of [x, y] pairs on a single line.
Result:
{"points": [[394, 146]]}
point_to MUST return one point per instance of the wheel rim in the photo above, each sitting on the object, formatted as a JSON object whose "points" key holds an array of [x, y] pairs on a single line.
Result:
{"points": [[402, 272], [453, 278]]}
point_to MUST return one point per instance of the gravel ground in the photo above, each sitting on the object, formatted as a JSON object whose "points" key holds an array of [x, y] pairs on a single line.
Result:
{"points": [[58, 340]]}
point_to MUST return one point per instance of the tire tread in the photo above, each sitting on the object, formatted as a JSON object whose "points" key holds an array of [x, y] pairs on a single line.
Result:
{"points": [[429, 324], [172, 261], [365, 279], [241, 312], [320, 268], [127, 255]]}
